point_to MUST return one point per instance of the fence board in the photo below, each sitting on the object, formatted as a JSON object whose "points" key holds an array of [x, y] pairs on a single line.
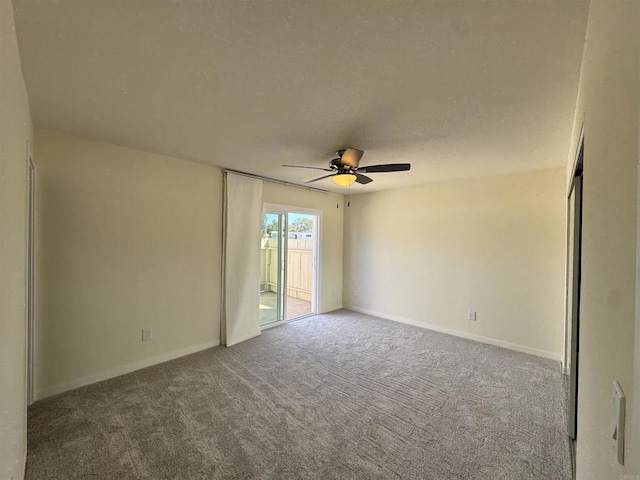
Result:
{"points": [[299, 263]]}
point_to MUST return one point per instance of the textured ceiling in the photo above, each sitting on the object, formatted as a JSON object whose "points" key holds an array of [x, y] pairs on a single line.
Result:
{"points": [[457, 88]]}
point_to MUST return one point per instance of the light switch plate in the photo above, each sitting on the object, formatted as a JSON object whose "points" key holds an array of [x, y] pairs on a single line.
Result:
{"points": [[619, 405]]}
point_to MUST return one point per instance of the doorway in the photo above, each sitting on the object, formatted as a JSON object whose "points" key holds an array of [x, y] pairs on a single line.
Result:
{"points": [[574, 255], [288, 264]]}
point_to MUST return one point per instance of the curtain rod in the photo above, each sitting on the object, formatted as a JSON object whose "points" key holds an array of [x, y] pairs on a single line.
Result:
{"points": [[273, 180]]}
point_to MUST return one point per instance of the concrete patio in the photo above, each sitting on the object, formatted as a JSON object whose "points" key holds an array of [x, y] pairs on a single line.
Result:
{"points": [[296, 307]]}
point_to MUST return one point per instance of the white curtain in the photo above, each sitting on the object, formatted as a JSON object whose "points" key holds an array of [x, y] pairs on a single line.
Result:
{"points": [[241, 258]]}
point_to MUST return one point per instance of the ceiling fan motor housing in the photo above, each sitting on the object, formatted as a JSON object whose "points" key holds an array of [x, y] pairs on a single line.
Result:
{"points": [[336, 164]]}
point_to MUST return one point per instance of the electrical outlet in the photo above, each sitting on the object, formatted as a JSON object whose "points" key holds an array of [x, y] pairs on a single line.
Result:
{"points": [[471, 315], [147, 334]]}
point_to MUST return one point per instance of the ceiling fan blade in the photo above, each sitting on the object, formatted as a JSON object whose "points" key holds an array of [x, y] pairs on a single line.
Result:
{"points": [[389, 167], [320, 178], [313, 168], [351, 157], [363, 179]]}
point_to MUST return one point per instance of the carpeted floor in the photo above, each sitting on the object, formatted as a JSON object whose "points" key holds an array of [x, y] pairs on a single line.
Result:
{"points": [[336, 396]]}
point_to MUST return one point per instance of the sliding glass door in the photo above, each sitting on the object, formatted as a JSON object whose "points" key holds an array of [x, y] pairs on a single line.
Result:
{"points": [[272, 267], [289, 250], [300, 265]]}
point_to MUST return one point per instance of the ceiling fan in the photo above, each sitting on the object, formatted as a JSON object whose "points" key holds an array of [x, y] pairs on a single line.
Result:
{"points": [[345, 168]]}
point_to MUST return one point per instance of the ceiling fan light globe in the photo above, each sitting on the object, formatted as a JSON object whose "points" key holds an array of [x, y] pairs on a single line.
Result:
{"points": [[344, 179]]}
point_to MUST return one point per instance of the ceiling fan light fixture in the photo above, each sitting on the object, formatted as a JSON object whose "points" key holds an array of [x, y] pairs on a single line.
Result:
{"points": [[344, 179]]}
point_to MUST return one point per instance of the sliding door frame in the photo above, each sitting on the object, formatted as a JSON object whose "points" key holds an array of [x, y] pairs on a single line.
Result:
{"points": [[284, 210]]}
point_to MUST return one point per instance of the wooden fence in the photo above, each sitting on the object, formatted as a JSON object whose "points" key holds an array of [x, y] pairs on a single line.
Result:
{"points": [[299, 267]]}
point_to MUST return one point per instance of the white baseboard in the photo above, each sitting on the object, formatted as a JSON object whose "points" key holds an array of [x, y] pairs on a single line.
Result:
{"points": [[121, 370], [458, 333]]}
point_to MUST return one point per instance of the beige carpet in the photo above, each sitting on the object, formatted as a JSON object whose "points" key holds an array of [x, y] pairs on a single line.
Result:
{"points": [[337, 396]]}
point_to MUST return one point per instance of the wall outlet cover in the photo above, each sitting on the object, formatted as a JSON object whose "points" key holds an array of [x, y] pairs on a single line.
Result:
{"points": [[147, 334], [471, 315]]}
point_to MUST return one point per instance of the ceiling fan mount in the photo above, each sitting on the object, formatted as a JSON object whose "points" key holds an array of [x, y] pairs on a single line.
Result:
{"points": [[345, 168]]}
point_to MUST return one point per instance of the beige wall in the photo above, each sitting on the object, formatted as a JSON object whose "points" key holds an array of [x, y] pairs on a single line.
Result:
{"points": [[331, 206], [426, 255], [125, 240], [15, 132], [129, 239], [608, 101]]}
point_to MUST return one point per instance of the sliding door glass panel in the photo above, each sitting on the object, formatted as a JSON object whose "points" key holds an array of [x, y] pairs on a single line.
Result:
{"points": [[300, 264], [272, 268]]}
